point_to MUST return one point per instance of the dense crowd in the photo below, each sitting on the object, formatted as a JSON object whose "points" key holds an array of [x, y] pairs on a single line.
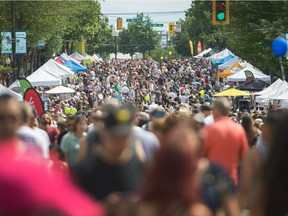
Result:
{"points": [[147, 138]]}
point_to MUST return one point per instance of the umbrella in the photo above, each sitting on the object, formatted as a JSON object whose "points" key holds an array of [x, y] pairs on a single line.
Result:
{"points": [[231, 92]]}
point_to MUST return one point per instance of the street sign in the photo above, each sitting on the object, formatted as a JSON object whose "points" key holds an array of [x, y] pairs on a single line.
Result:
{"points": [[138, 19], [178, 27], [156, 25]]}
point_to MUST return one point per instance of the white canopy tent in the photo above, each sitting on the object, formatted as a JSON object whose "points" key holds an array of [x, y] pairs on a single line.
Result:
{"points": [[282, 88], [274, 86], [42, 78], [65, 57], [54, 68], [229, 63], [77, 56], [241, 75], [4, 90], [218, 56], [60, 90], [204, 52], [97, 58]]}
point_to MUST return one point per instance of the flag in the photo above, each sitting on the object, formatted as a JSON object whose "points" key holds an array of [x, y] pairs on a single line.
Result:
{"points": [[249, 75], [191, 47], [24, 85], [199, 47], [32, 97]]}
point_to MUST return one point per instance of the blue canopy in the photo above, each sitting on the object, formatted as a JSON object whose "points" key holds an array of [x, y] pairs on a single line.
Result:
{"points": [[75, 66], [225, 59]]}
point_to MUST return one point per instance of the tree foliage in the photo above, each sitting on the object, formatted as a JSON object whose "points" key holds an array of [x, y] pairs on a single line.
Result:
{"points": [[253, 26], [138, 37]]}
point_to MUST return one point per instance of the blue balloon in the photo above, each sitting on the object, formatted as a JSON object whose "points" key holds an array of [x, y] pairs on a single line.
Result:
{"points": [[279, 46]]}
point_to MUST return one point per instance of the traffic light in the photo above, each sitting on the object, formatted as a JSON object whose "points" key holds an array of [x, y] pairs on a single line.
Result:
{"points": [[171, 28], [220, 12], [119, 23]]}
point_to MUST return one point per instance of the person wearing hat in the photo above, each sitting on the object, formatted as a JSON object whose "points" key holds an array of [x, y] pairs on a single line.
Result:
{"points": [[157, 116], [117, 158]]}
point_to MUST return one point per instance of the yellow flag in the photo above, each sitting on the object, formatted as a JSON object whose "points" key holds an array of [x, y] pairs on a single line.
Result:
{"points": [[191, 47]]}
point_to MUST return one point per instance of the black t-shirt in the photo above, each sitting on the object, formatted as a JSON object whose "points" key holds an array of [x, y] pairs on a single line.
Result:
{"points": [[161, 81], [99, 179]]}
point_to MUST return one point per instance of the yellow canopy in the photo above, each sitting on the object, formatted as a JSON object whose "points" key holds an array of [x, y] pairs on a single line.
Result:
{"points": [[234, 68], [231, 92]]}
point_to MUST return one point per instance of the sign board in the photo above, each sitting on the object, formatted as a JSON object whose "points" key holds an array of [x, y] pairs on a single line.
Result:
{"points": [[138, 19], [114, 32], [20, 42], [178, 27], [156, 25], [6, 38]]}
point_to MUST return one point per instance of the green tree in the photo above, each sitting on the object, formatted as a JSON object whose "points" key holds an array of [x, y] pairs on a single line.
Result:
{"points": [[139, 37]]}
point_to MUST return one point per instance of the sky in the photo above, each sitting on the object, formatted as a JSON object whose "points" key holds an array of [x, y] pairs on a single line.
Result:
{"points": [[170, 10]]}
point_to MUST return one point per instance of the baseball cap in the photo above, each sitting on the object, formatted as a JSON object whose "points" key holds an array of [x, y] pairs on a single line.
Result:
{"points": [[158, 112], [117, 118]]}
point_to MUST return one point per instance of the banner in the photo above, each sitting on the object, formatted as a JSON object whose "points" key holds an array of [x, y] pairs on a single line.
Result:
{"points": [[191, 47], [32, 97], [249, 75], [6, 38], [199, 47], [24, 85], [20, 43]]}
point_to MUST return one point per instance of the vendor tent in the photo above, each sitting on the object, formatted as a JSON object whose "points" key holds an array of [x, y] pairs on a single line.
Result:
{"points": [[203, 53], [42, 78], [282, 88], [75, 66], [97, 58], [229, 63], [246, 74], [78, 56], [274, 86], [232, 70], [4, 90], [218, 56], [90, 57], [225, 59], [231, 92], [60, 90], [64, 58], [54, 68], [253, 85]]}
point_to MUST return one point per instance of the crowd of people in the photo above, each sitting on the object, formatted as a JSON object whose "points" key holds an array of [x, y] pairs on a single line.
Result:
{"points": [[148, 138]]}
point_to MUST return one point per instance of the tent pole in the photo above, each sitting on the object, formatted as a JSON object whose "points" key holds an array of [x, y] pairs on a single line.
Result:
{"points": [[282, 68]]}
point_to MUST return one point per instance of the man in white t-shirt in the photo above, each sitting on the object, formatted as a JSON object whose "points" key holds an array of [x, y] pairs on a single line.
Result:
{"points": [[33, 136], [207, 111]]}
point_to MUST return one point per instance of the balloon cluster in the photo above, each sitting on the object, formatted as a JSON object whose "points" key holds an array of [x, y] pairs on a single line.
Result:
{"points": [[72, 111]]}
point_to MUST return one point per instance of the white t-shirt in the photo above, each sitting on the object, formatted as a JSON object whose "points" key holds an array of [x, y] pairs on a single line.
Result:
{"points": [[183, 98], [36, 136]]}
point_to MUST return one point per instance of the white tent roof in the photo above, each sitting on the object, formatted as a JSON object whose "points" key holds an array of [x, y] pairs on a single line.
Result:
{"points": [[77, 56], [274, 86], [282, 88], [60, 90], [67, 58], [204, 52], [4, 90], [54, 68], [97, 58], [229, 63], [218, 56], [42, 78], [241, 77]]}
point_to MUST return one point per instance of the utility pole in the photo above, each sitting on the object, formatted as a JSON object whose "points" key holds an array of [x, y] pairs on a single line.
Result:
{"points": [[115, 47], [13, 41]]}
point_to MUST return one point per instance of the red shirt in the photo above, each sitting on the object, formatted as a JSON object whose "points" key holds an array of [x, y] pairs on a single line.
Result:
{"points": [[53, 133], [225, 144]]}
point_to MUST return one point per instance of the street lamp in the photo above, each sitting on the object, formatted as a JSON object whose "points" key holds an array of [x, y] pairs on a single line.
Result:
{"points": [[7, 61]]}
